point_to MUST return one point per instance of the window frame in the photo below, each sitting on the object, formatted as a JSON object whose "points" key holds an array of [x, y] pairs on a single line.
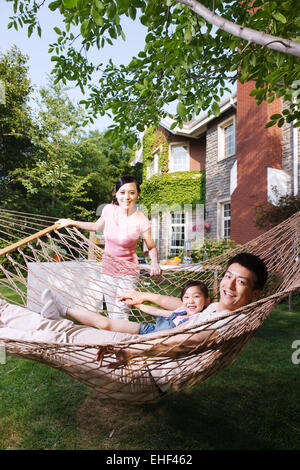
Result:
{"points": [[153, 165], [222, 219], [173, 249], [179, 144], [221, 138]]}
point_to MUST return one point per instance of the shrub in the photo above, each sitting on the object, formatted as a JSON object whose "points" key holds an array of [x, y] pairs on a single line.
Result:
{"points": [[210, 249], [267, 215]]}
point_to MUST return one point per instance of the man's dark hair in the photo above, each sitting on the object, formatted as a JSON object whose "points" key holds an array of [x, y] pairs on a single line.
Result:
{"points": [[255, 265], [199, 284]]}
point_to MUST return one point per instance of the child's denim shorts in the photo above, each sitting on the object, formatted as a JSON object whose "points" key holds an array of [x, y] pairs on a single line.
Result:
{"points": [[162, 323]]}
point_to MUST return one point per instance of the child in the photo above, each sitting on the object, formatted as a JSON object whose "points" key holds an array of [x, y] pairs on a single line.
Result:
{"points": [[194, 297]]}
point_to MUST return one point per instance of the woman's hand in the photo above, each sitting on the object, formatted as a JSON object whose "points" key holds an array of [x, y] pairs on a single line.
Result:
{"points": [[64, 222], [155, 269]]}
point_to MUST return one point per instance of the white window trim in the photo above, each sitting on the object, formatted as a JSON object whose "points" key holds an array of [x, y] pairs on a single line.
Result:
{"points": [[155, 228], [221, 141], [220, 225], [156, 154], [179, 144], [176, 225]]}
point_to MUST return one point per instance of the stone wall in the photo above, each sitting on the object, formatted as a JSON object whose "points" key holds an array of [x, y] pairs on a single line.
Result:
{"points": [[217, 176]]}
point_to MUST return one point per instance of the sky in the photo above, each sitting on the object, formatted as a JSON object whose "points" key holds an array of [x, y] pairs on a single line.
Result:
{"points": [[39, 59]]}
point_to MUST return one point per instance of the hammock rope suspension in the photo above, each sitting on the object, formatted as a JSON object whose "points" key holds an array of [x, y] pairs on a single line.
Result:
{"points": [[35, 255]]}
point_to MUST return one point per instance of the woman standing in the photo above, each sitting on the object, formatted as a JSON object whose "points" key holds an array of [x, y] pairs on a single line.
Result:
{"points": [[122, 225]]}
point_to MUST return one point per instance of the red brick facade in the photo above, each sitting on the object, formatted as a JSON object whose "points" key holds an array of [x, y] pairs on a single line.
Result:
{"points": [[241, 178], [197, 149], [257, 148]]}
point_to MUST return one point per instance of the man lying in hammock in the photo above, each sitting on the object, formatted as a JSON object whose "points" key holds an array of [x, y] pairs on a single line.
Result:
{"points": [[245, 277], [242, 283]]}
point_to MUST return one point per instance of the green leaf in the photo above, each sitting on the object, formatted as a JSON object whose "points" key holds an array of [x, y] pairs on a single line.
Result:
{"points": [[215, 108], [54, 5], [123, 3], [111, 11], [274, 117], [99, 5], [97, 17], [270, 124], [85, 28], [252, 60], [279, 17], [70, 3], [181, 111], [132, 13]]}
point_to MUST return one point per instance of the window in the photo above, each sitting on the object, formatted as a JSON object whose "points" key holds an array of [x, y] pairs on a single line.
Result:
{"points": [[177, 232], [225, 220], [179, 158], [155, 224], [279, 184], [226, 139], [153, 167], [229, 140]]}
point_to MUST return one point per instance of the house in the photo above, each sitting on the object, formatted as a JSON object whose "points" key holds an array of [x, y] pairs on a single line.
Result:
{"points": [[244, 164]]}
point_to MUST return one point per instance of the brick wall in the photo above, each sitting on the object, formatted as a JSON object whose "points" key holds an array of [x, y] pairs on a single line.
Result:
{"points": [[257, 149]]}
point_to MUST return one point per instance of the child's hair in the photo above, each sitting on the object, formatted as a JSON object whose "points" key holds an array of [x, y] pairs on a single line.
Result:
{"points": [[199, 284], [124, 180]]}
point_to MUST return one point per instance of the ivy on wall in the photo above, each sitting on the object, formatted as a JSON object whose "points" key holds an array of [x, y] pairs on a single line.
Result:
{"points": [[168, 189], [152, 140], [182, 187]]}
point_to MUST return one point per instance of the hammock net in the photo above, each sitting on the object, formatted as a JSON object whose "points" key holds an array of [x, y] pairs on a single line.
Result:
{"points": [[35, 255]]}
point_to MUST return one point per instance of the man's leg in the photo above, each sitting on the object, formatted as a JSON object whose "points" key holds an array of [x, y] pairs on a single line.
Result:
{"points": [[22, 324], [54, 309]]}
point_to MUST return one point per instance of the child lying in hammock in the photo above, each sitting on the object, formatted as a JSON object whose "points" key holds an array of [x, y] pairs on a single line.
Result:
{"points": [[194, 298]]}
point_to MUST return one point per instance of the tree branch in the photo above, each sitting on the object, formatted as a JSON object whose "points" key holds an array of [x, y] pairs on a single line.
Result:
{"points": [[265, 40]]}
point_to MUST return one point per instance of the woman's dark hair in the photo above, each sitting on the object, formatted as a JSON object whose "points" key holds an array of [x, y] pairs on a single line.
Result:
{"points": [[199, 284], [121, 181], [255, 265]]}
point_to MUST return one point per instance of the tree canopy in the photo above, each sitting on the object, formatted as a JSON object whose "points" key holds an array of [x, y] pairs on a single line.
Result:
{"points": [[48, 163], [194, 51], [16, 123]]}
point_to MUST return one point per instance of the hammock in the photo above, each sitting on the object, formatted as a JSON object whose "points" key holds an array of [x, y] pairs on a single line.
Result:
{"points": [[28, 264]]}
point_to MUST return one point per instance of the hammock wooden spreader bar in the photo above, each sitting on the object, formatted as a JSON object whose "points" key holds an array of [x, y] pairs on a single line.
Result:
{"points": [[27, 267], [29, 239]]}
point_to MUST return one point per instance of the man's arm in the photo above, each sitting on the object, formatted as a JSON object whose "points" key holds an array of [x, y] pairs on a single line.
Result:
{"points": [[177, 344]]}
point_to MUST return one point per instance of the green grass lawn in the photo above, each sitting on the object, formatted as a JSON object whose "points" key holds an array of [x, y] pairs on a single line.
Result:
{"points": [[253, 404]]}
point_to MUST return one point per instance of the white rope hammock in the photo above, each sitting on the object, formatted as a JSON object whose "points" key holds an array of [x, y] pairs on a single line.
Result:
{"points": [[31, 243]]}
